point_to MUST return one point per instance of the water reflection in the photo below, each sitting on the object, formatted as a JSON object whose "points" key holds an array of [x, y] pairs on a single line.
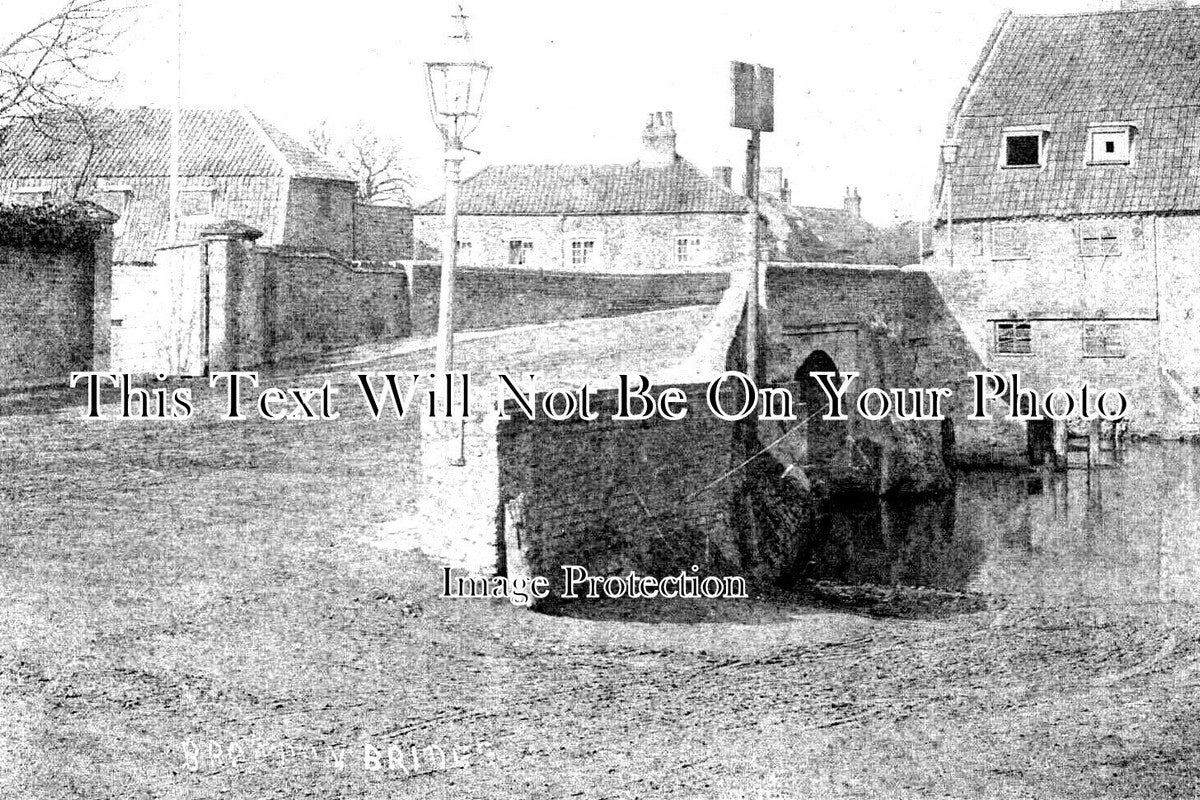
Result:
{"points": [[1125, 535]]}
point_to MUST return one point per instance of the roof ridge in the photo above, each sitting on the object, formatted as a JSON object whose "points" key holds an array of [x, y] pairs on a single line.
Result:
{"points": [[1111, 12], [289, 169]]}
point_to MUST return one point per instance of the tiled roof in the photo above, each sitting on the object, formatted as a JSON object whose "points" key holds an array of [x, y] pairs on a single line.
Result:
{"points": [[133, 143], [1064, 74], [812, 233], [608, 189]]}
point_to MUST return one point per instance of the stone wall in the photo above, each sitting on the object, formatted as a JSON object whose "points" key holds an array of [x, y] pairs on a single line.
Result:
{"points": [[320, 216], [55, 292], [1145, 292], [497, 298], [382, 233], [623, 242], [314, 303], [891, 326], [620, 496]]}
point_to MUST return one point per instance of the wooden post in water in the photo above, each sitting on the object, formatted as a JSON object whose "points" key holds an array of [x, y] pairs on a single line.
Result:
{"points": [[1094, 443], [1060, 444]]}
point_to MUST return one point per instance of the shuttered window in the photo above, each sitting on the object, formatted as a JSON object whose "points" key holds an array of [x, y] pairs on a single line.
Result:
{"points": [[1103, 340], [1010, 241], [1098, 239], [1014, 337]]}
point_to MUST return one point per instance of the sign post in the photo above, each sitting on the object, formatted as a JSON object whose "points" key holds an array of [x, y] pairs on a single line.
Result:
{"points": [[753, 88]]}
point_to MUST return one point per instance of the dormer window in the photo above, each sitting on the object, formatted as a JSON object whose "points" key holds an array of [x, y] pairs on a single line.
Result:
{"points": [[1110, 144], [32, 195], [114, 196], [1023, 147], [197, 200]]}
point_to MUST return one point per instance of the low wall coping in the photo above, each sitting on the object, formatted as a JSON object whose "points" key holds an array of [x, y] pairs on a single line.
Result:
{"points": [[709, 357]]}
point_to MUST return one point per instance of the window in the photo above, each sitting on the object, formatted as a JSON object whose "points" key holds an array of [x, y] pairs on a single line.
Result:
{"points": [[196, 201], [687, 250], [1098, 239], [32, 195], [1014, 337], [1110, 144], [582, 252], [115, 201], [1010, 242], [464, 250], [324, 202], [520, 251], [1023, 149], [115, 197], [1103, 341]]}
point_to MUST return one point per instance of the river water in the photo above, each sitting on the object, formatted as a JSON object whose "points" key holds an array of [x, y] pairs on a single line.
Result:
{"points": [[1121, 535]]}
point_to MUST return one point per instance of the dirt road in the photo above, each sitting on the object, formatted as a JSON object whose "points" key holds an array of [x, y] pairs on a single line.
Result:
{"points": [[189, 611]]}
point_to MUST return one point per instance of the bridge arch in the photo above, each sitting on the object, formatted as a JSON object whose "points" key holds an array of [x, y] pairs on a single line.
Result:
{"points": [[825, 437]]}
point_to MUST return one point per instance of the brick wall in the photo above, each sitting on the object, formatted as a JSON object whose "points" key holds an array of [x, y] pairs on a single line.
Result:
{"points": [[382, 233], [309, 227], [615, 496], [55, 309], [312, 303], [623, 243], [496, 298]]}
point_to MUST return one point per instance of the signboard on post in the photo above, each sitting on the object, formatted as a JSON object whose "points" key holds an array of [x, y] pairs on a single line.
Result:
{"points": [[753, 110], [753, 96]]}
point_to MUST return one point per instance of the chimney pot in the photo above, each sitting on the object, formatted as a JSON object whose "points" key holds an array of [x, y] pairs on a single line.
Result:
{"points": [[658, 140], [853, 203]]}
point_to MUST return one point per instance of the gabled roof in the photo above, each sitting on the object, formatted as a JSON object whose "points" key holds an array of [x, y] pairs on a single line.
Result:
{"points": [[136, 143], [1064, 74], [607, 189]]}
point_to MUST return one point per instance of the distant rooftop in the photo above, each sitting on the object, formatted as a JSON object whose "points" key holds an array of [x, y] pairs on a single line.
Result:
{"points": [[638, 188], [136, 143]]}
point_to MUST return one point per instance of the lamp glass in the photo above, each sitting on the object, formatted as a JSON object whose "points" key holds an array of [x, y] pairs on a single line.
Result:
{"points": [[456, 95]]}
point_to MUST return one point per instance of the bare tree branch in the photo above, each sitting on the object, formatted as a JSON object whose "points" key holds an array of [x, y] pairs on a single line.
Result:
{"points": [[50, 66], [375, 162]]}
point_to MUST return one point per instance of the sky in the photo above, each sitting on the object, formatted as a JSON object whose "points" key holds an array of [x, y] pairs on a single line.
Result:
{"points": [[862, 87]]}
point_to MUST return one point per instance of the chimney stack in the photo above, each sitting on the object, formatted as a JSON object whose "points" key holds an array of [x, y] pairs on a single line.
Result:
{"points": [[853, 203], [723, 176], [658, 140]]}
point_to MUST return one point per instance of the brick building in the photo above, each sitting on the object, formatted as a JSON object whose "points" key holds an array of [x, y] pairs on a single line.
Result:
{"points": [[659, 213], [1076, 205], [233, 165]]}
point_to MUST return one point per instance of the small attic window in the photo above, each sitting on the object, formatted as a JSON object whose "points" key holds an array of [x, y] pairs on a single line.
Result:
{"points": [[32, 195], [1110, 144], [197, 201], [1022, 148]]}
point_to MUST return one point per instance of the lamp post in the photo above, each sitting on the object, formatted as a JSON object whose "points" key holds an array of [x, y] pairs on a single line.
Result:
{"points": [[456, 88], [949, 156], [455, 97]]}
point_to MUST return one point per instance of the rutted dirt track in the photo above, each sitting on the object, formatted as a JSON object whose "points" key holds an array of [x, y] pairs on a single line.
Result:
{"points": [[189, 611]]}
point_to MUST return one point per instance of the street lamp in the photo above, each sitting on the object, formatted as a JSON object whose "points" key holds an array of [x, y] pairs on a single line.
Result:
{"points": [[455, 96], [949, 156], [456, 89]]}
